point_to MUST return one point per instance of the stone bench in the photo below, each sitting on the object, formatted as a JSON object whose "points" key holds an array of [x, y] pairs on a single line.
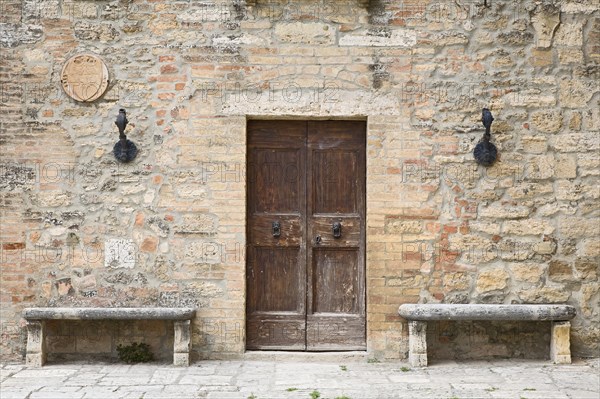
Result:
{"points": [[36, 329], [419, 314]]}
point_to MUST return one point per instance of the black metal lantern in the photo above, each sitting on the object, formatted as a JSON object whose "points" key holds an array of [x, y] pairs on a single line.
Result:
{"points": [[485, 152], [124, 150]]}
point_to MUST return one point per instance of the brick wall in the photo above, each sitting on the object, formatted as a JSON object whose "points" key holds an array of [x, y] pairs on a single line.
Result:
{"points": [[439, 228]]}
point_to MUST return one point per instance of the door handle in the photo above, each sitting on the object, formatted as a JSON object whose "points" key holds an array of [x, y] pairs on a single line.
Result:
{"points": [[337, 229], [276, 228]]}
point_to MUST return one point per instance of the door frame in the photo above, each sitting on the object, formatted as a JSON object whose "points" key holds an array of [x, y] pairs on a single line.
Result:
{"points": [[309, 118]]}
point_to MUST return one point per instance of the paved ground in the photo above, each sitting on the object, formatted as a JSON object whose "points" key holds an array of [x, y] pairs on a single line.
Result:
{"points": [[279, 379]]}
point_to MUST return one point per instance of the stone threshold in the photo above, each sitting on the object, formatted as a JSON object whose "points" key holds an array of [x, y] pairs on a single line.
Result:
{"points": [[296, 356]]}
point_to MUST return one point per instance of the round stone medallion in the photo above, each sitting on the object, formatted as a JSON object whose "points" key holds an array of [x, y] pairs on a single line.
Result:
{"points": [[84, 77]]}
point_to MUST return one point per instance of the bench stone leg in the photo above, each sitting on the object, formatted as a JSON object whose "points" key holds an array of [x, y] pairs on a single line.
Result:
{"points": [[560, 343], [36, 343], [181, 347], [417, 343]]}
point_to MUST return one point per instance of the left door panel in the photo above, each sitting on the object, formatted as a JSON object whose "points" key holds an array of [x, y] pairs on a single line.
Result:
{"points": [[276, 264]]}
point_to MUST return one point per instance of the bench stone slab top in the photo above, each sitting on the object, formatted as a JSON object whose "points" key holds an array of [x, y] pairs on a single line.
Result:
{"points": [[109, 313], [425, 312]]}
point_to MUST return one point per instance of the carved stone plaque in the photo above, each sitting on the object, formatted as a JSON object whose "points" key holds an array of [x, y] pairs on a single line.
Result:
{"points": [[84, 77]]}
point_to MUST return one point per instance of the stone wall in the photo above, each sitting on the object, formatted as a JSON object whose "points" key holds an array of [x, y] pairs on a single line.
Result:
{"points": [[79, 229]]}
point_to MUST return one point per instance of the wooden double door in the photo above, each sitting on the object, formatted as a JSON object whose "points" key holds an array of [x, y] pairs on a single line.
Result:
{"points": [[306, 235]]}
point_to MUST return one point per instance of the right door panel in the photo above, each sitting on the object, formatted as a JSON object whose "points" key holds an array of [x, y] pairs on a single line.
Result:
{"points": [[336, 170]]}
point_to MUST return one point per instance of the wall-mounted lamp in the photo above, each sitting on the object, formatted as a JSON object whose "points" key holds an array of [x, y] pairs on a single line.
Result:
{"points": [[485, 152], [124, 150]]}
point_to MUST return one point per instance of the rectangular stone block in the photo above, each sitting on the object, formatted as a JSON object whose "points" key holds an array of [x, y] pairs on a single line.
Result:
{"points": [[36, 344], [417, 343], [182, 336], [560, 342], [397, 38], [181, 343]]}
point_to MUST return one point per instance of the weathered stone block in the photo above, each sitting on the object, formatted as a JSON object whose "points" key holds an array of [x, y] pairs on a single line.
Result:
{"points": [[492, 280], [531, 98], [515, 38], [570, 56], [545, 20], [415, 281], [13, 35], [544, 295], [578, 227], [588, 164], [198, 223], [529, 272], [527, 227], [534, 144], [547, 121], [565, 166], [569, 191], [485, 227], [530, 190], [52, 198], [576, 142], [449, 39], [417, 343], [36, 343], [305, 32], [574, 93], [507, 211], [150, 244], [468, 242], [587, 268], [544, 247], [560, 342], [375, 38], [569, 34], [119, 253], [588, 247], [456, 281], [182, 341], [102, 32], [560, 271], [540, 167], [541, 57], [398, 226]]}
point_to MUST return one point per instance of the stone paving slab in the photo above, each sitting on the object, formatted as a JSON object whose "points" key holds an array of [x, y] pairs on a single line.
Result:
{"points": [[277, 379]]}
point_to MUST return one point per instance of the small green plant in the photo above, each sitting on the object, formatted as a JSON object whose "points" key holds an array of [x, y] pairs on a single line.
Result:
{"points": [[135, 353], [252, 396], [404, 369], [373, 360], [315, 394], [342, 397], [343, 368], [530, 389], [492, 389], [291, 389]]}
